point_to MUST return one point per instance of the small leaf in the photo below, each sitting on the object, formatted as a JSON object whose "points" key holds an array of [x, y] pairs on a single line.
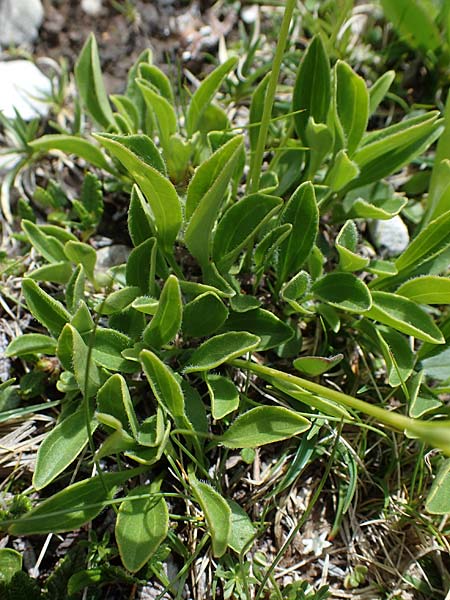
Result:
{"points": [[316, 365], [312, 88], [10, 563], [302, 213], [438, 500], [205, 196], [220, 349], [237, 228], [82, 254], [164, 385], [47, 245], [139, 218], [203, 96], [141, 266], [342, 172], [203, 315], [414, 22], [167, 321], [72, 144], [163, 110], [72, 507], [59, 272], [142, 525], [107, 350], [428, 289], [84, 368], [352, 105], [256, 111], [75, 289], [61, 447], [90, 84], [217, 514], [114, 399], [344, 291], [224, 396], [346, 243], [264, 425], [159, 191], [270, 330], [405, 316], [118, 301], [242, 529], [44, 308], [379, 90], [31, 343]]}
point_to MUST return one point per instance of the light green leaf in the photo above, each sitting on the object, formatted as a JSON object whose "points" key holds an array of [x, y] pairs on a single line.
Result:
{"points": [[90, 84], [205, 196], [405, 316], [47, 245], [344, 291], [203, 315], [167, 321], [72, 507], [159, 191], [44, 308], [59, 272], [203, 96], [163, 110], [242, 529], [342, 172], [139, 218], [84, 368], [164, 385], [31, 343], [256, 111], [428, 289], [379, 89], [414, 23], [352, 105], [217, 514], [224, 396], [316, 365], [346, 243], [438, 500], [61, 447], [142, 525], [83, 254], [221, 348], [10, 564], [386, 151], [264, 425], [72, 144], [114, 399], [75, 289], [118, 301]]}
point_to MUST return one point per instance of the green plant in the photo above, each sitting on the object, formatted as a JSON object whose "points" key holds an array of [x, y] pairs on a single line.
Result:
{"points": [[151, 373]]}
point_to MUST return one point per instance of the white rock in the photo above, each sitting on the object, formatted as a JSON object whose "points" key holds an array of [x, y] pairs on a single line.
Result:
{"points": [[391, 236], [23, 87], [20, 21], [92, 7]]}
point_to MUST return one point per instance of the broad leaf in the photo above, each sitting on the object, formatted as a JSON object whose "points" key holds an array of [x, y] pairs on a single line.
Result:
{"points": [[159, 191], [203, 96], [270, 330], [428, 289], [312, 88], [61, 447], [220, 349], [141, 266], [167, 321], [31, 343], [217, 514], [438, 500], [405, 316], [72, 144], [264, 425], [205, 196], [44, 308], [224, 396], [317, 365], [203, 315], [90, 84], [352, 105], [344, 291], [142, 524], [302, 213]]}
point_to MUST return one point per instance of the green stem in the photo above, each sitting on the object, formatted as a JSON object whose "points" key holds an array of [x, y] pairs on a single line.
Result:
{"points": [[435, 433], [256, 163]]}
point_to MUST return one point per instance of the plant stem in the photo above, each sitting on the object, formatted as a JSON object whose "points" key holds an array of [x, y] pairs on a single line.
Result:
{"points": [[436, 434], [257, 161]]}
